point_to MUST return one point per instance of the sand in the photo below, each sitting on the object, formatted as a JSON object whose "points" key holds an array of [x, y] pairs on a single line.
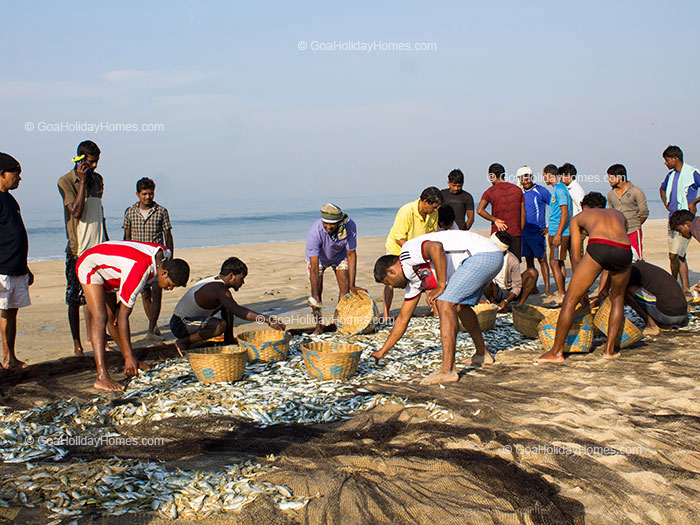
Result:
{"points": [[277, 283]]}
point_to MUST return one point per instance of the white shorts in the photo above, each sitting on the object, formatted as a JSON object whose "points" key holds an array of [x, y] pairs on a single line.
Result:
{"points": [[677, 244], [14, 291]]}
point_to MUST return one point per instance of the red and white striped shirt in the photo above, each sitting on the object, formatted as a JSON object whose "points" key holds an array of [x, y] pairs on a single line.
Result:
{"points": [[127, 266]]}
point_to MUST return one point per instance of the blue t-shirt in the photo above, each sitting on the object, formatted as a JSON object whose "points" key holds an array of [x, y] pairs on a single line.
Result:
{"points": [[560, 197], [536, 201], [672, 192], [330, 250]]}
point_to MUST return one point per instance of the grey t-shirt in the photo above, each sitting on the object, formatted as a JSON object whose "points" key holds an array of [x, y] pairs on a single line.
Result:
{"points": [[632, 204], [460, 203]]}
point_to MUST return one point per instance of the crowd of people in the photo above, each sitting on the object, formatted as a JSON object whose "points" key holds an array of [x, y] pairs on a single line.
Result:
{"points": [[429, 249]]}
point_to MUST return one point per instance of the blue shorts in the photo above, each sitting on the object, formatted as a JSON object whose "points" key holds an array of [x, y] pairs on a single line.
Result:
{"points": [[466, 286], [533, 245]]}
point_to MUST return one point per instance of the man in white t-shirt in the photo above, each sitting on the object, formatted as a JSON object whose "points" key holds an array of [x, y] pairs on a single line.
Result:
{"points": [[453, 268]]}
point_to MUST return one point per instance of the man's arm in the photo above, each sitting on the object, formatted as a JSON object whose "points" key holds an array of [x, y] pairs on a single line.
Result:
{"points": [[470, 219], [228, 331], [231, 306], [168, 230], [642, 206], [169, 241], [78, 205], [352, 270], [315, 278], [400, 228], [576, 242], [400, 324], [522, 215], [556, 241], [434, 252], [662, 194], [481, 210]]}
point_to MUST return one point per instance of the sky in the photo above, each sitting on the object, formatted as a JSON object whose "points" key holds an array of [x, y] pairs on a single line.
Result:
{"points": [[248, 121]]}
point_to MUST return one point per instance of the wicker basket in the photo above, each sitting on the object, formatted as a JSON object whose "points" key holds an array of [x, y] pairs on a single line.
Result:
{"points": [[331, 360], [527, 317], [486, 314], [629, 335], [580, 336], [265, 345], [356, 313], [218, 363]]}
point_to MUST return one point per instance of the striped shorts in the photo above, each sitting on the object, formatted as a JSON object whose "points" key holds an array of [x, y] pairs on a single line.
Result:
{"points": [[466, 286]]}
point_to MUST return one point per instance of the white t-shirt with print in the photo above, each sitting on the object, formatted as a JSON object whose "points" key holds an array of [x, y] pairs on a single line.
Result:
{"points": [[458, 245]]}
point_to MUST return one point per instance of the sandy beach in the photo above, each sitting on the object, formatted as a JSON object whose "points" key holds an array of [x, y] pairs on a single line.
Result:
{"points": [[276, 284]]}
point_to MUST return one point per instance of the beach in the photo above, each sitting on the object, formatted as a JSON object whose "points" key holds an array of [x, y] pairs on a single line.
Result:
{"points": [[277, 284]]}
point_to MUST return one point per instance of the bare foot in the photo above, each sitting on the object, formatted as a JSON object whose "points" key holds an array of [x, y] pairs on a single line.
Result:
{"points": [[144, 366], [550, 357], [614, 355], [79, 352], [440, 377], [107, 383], [651, 330], [152, 336], [478, 360], [157, 331], [319, 330], [14, 363]]}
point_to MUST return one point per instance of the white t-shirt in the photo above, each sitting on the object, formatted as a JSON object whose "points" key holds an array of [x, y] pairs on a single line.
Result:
{"points": [[577, 195], [458, 245]]}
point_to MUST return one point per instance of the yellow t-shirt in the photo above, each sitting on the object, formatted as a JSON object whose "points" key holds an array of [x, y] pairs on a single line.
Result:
{"points": [[408, 225]]}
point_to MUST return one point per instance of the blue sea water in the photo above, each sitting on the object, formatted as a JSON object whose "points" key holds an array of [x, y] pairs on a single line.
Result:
{"points": [[216, 225]]}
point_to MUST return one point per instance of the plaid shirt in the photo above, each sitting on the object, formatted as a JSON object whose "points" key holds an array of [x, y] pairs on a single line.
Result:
{"points": [[150, 229]]}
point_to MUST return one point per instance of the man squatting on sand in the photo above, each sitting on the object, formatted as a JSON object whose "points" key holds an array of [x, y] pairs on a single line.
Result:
{"points": [[194, 319], [453, 268], [509, 285], [608, 249], [125, 267]]}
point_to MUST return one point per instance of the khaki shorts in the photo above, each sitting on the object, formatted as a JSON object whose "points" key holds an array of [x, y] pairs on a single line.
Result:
{"points": [[559, 254], [677, 244], [14, 291], [342, 265]]}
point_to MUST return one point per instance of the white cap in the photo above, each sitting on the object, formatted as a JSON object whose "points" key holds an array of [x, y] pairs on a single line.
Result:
{"points": [[523, 170]]}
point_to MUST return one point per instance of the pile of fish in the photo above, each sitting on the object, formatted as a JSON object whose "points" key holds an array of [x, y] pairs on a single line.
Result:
{"points": [[114, 487]]}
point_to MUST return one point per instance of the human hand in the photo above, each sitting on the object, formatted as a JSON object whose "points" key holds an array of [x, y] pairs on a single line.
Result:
{"points": [[131, 366], [355, 289], [693, 207], [276, 325], [501, 225], [30, 277], [433, 294], [502, 306], [556, 240], [82, 169]]}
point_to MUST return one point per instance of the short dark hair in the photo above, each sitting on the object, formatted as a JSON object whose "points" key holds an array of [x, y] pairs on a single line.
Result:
{"points": [[381, 266], [498, 170], [88, 147], [594, 199], [235, 266], [8, 163], [446, 216], [145, 183], [673, 152], [551, 169], [568, 169], [431, 195], [618, 170], [679, 217], [505, 237], [178, 271], [456, 177]]}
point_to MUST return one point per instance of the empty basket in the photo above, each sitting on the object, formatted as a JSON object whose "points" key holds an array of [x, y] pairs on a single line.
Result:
{"points": [[331, 360], [265, 345], [580, 336], [629, 333], [527, 318], [218, 363], [355, 313]]}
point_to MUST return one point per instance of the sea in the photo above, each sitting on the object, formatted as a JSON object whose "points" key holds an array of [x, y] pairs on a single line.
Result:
{"points": [[201, 225]]}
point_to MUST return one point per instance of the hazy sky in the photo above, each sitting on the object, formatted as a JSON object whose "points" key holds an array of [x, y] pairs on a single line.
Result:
{"points": [[250, 119]]}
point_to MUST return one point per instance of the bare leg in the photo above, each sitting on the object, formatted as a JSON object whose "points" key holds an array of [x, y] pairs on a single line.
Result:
{"points": [[343, 278], [585, 275], [650, 326], [544, 267], [471, 323], [448, 337], [490, 292], [617, 297], [529, 278], [557, 273], [74, 322], [213, 328], [388, 299], [8, 329], [96, 302], [683, 270], [675, 264]]}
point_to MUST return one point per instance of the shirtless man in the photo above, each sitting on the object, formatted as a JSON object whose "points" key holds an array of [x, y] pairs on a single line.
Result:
{"points": [[608, 249], [124, 267], [453, 268], [193, 320]]}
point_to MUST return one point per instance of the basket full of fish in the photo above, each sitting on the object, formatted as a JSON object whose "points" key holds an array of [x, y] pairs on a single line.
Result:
{"points": [[218, 364], [331, 360], [265, 345]]}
